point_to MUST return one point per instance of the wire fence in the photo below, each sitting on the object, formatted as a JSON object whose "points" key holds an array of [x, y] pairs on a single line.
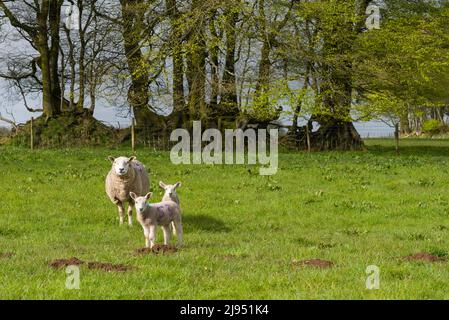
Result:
{"points": [[158, 139], [146, 137]]}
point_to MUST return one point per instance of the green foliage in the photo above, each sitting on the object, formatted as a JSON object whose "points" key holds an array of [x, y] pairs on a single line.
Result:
{"points": [[67, 130], [433, 127], [406, 59]]}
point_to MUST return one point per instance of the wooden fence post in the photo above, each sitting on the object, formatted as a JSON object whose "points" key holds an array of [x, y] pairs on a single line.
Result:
{"points": [[396, 137], [133, 136], [308, 137]]}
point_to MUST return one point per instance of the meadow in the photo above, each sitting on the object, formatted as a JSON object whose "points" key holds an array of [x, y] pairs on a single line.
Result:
{"points": [[243, 232]]}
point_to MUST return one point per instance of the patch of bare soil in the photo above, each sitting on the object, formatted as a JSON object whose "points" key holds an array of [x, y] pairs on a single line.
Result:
{"points": [[424, 256], [6, 255], [317, 263], [157, 249], [61, 263], [109, 266]]}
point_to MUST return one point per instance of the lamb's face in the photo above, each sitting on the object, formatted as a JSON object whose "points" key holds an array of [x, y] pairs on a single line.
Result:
{"points": [[140, 203], [121, 165], [170, 189]]}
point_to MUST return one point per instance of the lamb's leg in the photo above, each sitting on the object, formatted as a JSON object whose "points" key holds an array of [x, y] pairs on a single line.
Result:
{"points": [[167, 234], [152, 235], [130, 213], [179, 232], [146, 232], [121, 211], [172, 228]]}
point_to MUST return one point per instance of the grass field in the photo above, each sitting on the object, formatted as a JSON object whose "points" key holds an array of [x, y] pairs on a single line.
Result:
{"points": [[242, 231]]}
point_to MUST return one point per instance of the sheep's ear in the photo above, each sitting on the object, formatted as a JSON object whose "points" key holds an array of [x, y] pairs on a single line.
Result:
{"points": [[132, 158], [133, 195], [162, 185], [177, 184], [148, 195], [112, 159]]}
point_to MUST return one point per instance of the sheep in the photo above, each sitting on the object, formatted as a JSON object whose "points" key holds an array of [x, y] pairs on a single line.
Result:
{"points": [[170, 191], [126, 175], [151, 215], [170, 194]]}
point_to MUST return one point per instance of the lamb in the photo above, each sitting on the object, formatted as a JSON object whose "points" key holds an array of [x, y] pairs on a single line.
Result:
{"points": [[126, 175], [170, 191], [151, 215], [170, 194]]}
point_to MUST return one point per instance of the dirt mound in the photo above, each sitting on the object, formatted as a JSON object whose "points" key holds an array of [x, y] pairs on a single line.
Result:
{"points": [[67, 130], [317, 263], [109, 266], [61, 263], [6, 255], [424, 256], [158, 248]]}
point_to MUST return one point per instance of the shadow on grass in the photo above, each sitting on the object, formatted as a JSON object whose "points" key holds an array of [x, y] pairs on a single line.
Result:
{"points": [[6, 232], [204, 223]]}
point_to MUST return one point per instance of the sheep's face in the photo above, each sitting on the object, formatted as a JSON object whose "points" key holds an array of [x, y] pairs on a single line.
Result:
{"points": [[121, 165], [140, 202], [170, 189]]}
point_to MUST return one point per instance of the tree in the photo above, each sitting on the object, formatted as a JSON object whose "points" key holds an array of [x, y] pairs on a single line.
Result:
{"points": [[406, 62], [43, 34]]}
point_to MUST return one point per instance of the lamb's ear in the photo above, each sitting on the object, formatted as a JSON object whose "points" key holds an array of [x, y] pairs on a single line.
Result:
{"points": [[162, 185], [112, 159], [177, 184], [133, 195], [148, 195], [132, 158]]}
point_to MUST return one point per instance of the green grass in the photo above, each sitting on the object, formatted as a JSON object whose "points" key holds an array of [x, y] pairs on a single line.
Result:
{"points": [[241, 230]]}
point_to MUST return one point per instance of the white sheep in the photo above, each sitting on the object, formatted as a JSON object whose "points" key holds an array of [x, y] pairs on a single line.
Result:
{"points": [[150, 215], [170, 191], [126, 175], [170, 194]]}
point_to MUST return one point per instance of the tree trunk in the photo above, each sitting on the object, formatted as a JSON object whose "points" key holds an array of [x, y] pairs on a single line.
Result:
{"points": [[229, 102], [50, 106], [179, 113], [133, 15], [336, 135], [405, 125], [336, 132], [82, 67], [196, 72], [214, 64], [264, 64]]}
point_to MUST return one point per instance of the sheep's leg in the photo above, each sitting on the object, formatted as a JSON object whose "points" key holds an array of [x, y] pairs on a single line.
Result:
{"points": [[130, 213], [152, 235], [146, 232], [172, 228], [121, 212], [179, 232], [167, 233]]}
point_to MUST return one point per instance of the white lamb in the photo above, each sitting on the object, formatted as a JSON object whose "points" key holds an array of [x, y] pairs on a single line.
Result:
{"points": [[170, 194], [150, 215], [126, 175]]}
